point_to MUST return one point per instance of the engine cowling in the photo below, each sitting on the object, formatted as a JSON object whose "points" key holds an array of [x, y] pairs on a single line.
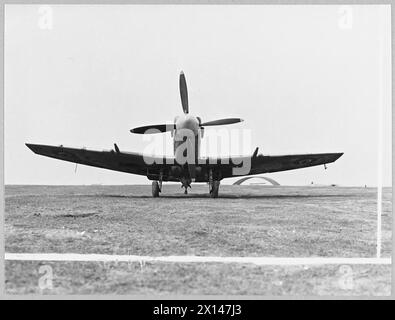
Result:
{"points": [[175, 171]]}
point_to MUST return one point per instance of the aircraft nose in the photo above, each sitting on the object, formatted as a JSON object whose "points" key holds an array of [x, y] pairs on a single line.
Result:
{"points": [[192, 124], [189, 122]]}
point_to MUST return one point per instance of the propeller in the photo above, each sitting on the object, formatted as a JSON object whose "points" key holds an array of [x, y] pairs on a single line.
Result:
{"points": [[184, 93], [221, 122], [185, 108], [154, 128]]}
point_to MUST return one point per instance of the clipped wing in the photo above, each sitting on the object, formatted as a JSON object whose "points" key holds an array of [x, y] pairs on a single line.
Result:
{"points": [[113, 160], [265, 164], [151, 166]]}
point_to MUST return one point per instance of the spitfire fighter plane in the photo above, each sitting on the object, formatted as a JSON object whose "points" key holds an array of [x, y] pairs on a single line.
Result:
{"points": [[186, 166]]}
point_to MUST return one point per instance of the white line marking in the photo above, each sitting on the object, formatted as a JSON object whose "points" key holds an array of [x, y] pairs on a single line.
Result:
{"points": [[380, 130], [192, 259]]}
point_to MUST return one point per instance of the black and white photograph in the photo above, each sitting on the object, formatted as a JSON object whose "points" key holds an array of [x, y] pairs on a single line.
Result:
{"points": [[198, 150]]}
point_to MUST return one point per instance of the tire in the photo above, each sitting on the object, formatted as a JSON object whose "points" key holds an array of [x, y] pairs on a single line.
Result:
{"points": [[214, 190], [155, 189]]}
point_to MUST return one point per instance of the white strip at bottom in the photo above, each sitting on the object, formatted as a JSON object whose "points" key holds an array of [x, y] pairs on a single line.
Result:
{"points": [[261, 261]]}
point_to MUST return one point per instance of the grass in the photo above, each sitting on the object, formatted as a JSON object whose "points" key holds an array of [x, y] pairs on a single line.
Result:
{"points": [[243, 221], [195, 279]]}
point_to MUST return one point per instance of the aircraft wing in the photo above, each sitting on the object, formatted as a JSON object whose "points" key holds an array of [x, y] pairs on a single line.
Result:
{"points": [[150, 166], [113, 160], [265, 164]]}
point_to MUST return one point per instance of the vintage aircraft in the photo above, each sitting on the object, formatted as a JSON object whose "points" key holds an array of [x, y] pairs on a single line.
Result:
{"points": [[187, 165]]}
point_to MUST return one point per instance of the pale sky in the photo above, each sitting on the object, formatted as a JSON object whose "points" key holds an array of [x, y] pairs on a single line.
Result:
{"points": [[304, 79]]}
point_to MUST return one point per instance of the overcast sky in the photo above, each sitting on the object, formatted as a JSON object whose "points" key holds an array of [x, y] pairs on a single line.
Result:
{"points": [[305, 79]]}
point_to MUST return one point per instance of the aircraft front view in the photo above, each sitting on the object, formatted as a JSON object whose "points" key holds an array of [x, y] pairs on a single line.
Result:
{"points": [[186, 166]]}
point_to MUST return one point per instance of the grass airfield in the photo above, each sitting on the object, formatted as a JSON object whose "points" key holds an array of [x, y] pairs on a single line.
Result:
{"points": [[247, 220]]}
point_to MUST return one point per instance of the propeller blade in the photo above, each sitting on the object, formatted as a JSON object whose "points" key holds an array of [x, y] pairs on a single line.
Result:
{"points": [[155, 128], [184, 93], [221, 122]]}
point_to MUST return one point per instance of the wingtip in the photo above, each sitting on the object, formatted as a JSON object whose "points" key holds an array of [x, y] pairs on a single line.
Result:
{"points": [[338, 155], [32, 147], [29, 145]]}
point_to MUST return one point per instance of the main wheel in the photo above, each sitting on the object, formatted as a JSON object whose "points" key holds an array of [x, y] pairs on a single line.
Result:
{"points": [[155, 189], [214, 190]]}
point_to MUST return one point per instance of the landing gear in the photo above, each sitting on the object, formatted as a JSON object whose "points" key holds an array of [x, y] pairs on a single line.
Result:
{"points": [[213, 185], [214, 189], [155, 189], [185, 183], [186, 186], [157, 185]]}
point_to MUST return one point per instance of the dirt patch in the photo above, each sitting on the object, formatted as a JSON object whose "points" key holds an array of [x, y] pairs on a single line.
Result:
{"points": [[79, 215]]}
